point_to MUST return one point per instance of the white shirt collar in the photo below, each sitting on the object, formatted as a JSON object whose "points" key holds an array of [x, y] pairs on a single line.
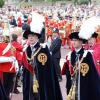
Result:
{"points": [[33, 44], [77, 50], [55, 38]]}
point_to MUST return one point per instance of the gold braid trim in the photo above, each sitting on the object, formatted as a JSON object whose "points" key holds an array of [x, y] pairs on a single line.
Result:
{"points": [[35, 84], [32, 57], [84, 68]]}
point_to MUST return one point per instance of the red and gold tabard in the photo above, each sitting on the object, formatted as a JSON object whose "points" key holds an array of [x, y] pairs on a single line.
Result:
{"points": [[49, 31]]}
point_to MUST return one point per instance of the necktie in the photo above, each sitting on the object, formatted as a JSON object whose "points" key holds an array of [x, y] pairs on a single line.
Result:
{"points": [[33, 49]]}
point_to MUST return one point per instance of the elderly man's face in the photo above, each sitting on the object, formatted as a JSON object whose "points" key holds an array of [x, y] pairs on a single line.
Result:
{"points": [[32, 39]]}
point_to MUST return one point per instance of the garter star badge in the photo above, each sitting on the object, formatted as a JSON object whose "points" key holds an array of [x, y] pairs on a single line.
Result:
{"points": [[84, 68], [42, 58]]}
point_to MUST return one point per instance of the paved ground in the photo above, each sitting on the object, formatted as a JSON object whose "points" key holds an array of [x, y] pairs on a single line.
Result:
{"points": [[64, 51]]}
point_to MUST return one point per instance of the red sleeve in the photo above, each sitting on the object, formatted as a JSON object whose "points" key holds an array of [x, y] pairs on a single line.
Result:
{"points": [[17, 46], [26, 64], [63, 72]]}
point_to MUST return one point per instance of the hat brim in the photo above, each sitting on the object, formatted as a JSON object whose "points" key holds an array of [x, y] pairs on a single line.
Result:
{"points": [[27, 32], [74, 35]]}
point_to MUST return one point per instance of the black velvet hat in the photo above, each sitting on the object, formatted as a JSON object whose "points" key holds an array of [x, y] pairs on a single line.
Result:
{"points": [[28, 31], [95, 35], [75, 35]]}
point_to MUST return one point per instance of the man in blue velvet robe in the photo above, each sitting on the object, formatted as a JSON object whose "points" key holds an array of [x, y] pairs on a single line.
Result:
{"points": [[43, 84], [89, 78]]}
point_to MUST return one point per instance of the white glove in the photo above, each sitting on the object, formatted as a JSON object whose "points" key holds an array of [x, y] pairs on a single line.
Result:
{"points": [[6, 59]]}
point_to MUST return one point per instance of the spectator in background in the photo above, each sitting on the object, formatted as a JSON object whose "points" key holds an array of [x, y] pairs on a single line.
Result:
{"points": [[25, 25], [56, 53], [13, 21]]}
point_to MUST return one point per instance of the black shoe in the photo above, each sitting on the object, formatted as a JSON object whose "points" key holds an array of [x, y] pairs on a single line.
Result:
{"points": [[16, 91]]}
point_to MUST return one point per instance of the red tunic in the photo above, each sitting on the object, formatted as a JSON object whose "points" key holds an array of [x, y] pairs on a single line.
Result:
{"points": [[5, 67], [19, 49]]}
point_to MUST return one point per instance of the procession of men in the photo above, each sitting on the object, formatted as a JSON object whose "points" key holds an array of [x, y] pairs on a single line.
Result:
{"points": [[32, 42]]}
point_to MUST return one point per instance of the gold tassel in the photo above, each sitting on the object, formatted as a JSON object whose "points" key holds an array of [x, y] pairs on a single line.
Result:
{"points": [[36, 82], [35, 89], [35, 86], [71, 95]]}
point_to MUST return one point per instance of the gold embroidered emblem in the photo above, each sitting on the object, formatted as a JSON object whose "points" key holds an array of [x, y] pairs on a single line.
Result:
{"points": [[84, 69], [42, 57]]}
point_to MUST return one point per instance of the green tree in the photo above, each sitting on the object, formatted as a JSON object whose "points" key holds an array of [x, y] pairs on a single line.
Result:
{"points": [[81, 1], [75, 1], [84, 2], [1, 3]]}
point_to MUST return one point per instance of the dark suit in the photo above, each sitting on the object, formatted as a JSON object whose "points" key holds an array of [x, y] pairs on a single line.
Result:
{"points": [[13, 22], [56, 54]]}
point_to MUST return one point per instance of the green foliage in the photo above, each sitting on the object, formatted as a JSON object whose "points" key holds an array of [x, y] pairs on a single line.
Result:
{"points": [[84, 2], [63, 0], [26, 0], [1, 3], [25, 5], [81, 1], [75, 1]]}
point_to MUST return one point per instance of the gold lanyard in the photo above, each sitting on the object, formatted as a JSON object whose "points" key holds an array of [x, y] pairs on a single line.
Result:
{"points": [[32, 57]]}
